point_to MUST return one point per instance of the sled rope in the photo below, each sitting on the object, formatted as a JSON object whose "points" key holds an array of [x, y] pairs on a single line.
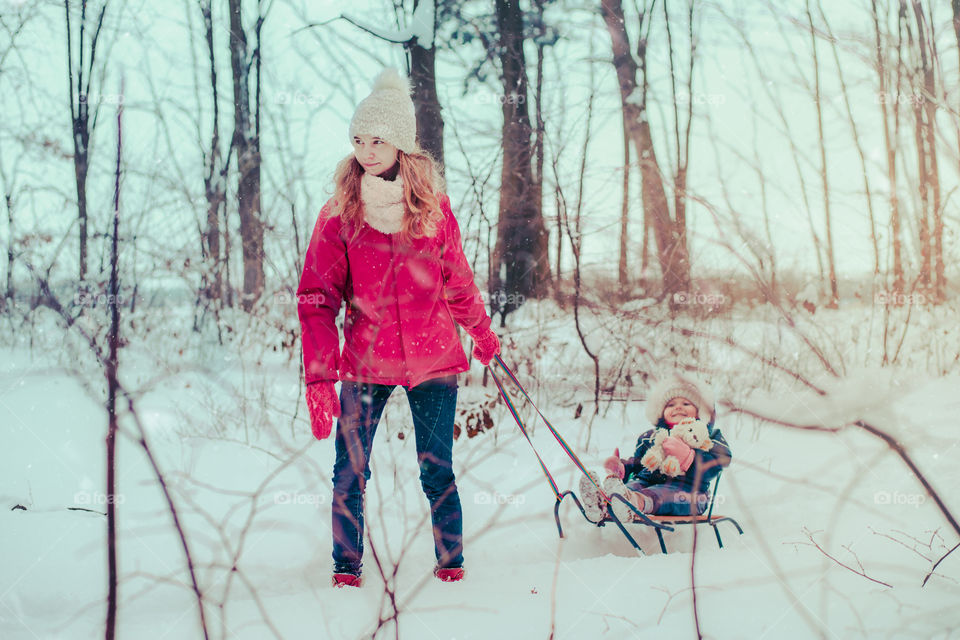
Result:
{"points": [[523, 429]]}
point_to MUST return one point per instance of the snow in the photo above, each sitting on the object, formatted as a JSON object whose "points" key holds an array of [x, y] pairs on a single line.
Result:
{"points": [[252, 487], [420, 28]]}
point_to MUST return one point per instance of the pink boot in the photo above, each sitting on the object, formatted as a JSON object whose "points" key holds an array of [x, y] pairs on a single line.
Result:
{"points": [[341, 580], [449, 574]]}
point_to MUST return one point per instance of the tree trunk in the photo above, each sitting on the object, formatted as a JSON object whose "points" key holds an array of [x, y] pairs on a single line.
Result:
{"points": [[956, 30], [681, 132], [622, 275], [928, 62], [8, 291], [521, 267], [423, 77], [856, 139], [670, 240], [834, 301], [558, 203], [246, 141], [82, 126], [213, 180], [113, 340], [539, 135], [921, 138], [890, 128]]}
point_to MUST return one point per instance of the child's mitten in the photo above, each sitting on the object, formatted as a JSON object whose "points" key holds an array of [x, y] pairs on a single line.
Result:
{"points": [[680, 450], [614, 466]]}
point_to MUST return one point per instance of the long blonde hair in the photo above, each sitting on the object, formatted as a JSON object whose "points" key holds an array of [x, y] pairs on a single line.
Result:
{"points": [[421, 188]]}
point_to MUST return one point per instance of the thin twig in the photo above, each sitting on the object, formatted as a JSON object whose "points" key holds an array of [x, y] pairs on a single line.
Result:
{"points": [[937, 564], [859, 572]]}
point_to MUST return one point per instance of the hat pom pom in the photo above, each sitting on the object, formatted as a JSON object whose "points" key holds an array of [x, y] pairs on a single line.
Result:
{"points": [[389, 79]]}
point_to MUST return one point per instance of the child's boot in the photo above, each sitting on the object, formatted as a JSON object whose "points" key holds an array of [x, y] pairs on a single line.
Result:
{"points": [[614, 485], [594, 504]]}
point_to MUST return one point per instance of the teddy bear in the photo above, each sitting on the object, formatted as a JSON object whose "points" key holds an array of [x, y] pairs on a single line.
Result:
{"points": [[693, 432]]}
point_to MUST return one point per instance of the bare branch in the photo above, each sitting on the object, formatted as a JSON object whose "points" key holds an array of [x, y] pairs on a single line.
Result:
{"points": [[859, 572]]}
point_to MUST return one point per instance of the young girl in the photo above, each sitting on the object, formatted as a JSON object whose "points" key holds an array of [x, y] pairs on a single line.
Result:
{"points": [[388, 247], [676, 399]]}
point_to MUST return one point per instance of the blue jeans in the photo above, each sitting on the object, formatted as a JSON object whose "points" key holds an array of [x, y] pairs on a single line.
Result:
{"points": [[669, 499], [433, 404]]}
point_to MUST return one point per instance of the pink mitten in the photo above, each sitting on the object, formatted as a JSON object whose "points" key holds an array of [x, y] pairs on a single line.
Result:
{"points": [[613, 465], [486, 345], [324, 406], [674, 446]]}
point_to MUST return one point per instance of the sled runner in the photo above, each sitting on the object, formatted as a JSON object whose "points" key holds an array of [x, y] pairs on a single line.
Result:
{"points": [[659, 523]]}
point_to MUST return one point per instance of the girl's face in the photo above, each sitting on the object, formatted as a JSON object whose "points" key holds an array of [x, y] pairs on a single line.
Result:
{"points": [[373, 154], [677, 409]]}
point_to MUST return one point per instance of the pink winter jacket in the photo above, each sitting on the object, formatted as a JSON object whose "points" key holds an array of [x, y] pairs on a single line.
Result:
{"points": [[402, 302]]}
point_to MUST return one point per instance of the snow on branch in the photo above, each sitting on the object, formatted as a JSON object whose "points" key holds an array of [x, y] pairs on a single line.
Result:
{"points": [[419, 31]]}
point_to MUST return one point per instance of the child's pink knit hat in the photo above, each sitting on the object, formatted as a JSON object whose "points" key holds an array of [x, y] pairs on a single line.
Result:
{"points": [[678, 385]]}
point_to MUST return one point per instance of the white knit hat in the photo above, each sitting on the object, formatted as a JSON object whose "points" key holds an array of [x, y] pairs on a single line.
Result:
{"points": [[388, 113], [681, 386]]}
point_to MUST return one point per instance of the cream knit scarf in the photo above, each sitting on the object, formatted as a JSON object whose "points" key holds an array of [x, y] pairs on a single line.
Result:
{"points": [[382, 202]]}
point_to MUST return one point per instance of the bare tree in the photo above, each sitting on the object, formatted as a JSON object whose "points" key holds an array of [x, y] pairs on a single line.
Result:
{"points": [[520, 264], [83, 122], [111, 366], [575, 235], [671, 248], [214, 184], [855, 135], [423, 76], [955, 4], [539, 127], [622, 274], [834, 300], [245, 65], [891, 126], [798, 154], [681, 125], [8, 180], [925, 111], [8, 201]]}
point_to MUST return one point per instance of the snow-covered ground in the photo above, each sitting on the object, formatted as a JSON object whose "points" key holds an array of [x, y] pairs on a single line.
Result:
{"points": [[252, 489]]}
